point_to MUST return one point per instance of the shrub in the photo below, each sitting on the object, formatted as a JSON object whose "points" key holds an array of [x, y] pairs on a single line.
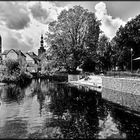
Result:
{"points": [[12, 66]]}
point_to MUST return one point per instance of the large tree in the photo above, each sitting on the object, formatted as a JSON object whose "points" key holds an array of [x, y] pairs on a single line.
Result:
{"points": [[104, 52], [73, 37], [127, 37]]}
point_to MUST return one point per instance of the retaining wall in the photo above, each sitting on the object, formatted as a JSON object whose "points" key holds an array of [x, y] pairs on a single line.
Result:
{"points": [[126, 85], [73, 77], [123, 91]]}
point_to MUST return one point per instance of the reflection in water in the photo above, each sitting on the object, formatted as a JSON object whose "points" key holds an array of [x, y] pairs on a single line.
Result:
{"points": [[52, 110]]}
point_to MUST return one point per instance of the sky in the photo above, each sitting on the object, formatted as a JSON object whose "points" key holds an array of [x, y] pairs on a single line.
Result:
{"points": [[23, 22]]}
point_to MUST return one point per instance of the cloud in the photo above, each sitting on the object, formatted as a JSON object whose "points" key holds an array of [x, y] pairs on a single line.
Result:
{"points": [[45, 12], [15, 40], [14, 15], [39, 13], [109, 25], [22, 23]]}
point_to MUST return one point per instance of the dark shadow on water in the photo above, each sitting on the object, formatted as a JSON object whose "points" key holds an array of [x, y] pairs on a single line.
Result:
{"points": [[68, 112]]}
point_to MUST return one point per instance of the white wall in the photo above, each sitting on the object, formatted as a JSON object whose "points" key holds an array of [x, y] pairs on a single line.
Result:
{"points": [[29, 59]]}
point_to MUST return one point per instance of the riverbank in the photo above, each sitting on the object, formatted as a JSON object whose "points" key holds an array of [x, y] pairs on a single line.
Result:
{"points": [[94, 81], [20, 79]]}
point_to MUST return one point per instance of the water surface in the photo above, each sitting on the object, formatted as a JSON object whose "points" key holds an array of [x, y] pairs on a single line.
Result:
{"points": [[46, 109]]}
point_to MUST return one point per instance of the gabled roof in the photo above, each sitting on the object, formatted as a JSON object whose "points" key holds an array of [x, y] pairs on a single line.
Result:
{"points": [[19, 51], [16, 51], [5, 52], [33, 56]]}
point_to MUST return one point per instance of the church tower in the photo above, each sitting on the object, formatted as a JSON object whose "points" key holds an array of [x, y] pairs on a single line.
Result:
{"points": [[41, 50]]}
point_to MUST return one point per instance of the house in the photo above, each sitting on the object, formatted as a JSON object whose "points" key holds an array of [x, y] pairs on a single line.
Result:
{"points": [[14, 55], [32, 58], [32, 61]]}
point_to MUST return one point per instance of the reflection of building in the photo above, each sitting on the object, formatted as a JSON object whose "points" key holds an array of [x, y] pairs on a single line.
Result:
{"points": [[41, 50]]}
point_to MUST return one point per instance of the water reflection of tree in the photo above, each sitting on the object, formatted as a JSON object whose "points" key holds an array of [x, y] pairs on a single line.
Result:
{"points": [[13, 93], [128, 123], [76, 111], [14, 129]]}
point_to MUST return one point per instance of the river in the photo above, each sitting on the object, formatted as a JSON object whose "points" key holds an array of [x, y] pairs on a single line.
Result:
{"points": [[46, 109]]}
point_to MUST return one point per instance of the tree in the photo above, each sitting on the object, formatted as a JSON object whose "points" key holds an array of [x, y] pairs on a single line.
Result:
{"points": [[127, 37], [73, 37], [104, 52], [12, 66]]}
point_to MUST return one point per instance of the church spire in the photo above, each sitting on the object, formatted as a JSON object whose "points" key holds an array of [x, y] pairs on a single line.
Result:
{"points": [[41, 50], [42, 41]]}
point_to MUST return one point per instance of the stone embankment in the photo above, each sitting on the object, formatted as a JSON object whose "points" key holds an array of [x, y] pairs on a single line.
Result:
{"points": [[127, 85], [123, 91]]}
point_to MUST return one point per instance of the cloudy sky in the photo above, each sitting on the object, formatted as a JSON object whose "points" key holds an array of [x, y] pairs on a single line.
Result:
{"points": [[21, 23]]}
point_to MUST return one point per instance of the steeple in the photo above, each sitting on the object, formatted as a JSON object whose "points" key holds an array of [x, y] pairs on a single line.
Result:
{"points": [[41, 50], [42, 41]]}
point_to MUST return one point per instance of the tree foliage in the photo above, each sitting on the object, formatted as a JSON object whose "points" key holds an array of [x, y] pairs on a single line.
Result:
{"points": [[73, 37], [127, 37], [104, 52], [12, 66]]}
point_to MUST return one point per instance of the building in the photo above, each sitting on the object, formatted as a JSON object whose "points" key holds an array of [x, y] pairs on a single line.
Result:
{"points": [[32, 58], [14, 55], [41, 50], [31, 62]]}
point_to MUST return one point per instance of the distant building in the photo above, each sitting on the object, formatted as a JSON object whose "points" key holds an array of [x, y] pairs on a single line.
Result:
{"points": [[31, 57], [31, 62], [41, 50], [15, 55]]}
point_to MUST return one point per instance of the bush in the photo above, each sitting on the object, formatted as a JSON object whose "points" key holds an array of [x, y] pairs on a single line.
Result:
{"points": [[12, 66], [24, 78]]}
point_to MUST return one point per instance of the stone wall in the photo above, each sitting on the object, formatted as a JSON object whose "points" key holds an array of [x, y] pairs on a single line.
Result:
{"points": [[126, 85], [128, 100], [122, 91], [73, 77]]}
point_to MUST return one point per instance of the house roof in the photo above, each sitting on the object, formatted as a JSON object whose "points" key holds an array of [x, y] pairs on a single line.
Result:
{"points": [[19, 51], [16, 51], [5, 52], [33, 56]]}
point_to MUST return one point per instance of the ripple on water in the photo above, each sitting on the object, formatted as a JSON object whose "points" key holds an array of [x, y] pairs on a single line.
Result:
{"points": [[49, 110]]}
